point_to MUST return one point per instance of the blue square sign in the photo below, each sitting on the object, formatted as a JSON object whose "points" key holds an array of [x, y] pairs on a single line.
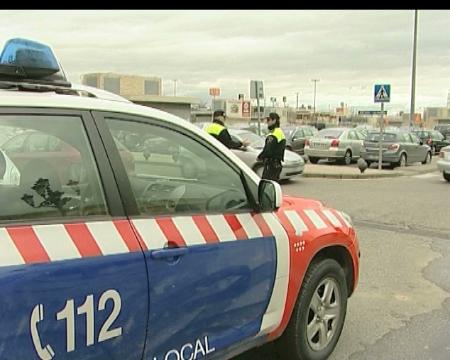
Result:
{"points": [[382, 93]]}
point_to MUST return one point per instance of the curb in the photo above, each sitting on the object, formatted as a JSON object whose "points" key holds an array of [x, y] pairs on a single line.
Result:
{"points": [[418, 172], [352, 176]]}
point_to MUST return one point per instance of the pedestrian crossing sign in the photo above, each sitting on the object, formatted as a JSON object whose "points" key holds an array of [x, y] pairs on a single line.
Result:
{"points": [[382, 93]]}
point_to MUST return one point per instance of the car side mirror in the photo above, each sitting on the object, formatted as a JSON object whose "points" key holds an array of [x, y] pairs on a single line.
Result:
{"points": [[270, 195]]}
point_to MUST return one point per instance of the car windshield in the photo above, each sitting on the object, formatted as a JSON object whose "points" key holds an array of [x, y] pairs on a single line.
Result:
{"points": [[422, 133], [436, 135], [329, 133], [255, 140], [375, 136], [287, 131]]}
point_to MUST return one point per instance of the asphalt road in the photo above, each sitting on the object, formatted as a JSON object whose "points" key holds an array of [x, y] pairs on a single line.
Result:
{"points": [[401, 308]]}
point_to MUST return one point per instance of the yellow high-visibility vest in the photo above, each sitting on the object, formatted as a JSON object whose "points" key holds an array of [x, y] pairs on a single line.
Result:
{"points": [[214, 129], [278, 133]]}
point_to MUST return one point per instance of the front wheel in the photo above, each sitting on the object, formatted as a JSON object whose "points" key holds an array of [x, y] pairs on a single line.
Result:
{"points": [[318, 316]]}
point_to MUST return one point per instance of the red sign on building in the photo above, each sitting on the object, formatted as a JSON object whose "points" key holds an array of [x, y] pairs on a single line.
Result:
{"points": [[246, 112], [214, 91]]}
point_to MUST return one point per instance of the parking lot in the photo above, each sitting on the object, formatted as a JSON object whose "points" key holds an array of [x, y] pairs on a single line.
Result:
{"points": [[401, 308]]}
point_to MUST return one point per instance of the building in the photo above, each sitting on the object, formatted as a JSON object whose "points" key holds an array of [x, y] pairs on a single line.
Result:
{"points": [[142, 90], [124, 85], [433, 116]]}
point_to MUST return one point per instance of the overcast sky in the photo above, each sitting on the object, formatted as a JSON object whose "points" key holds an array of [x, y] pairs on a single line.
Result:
{"points": [[349, 51]]}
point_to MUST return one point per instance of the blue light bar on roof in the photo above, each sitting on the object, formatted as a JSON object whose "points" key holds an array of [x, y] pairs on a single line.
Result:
{"points": [[27, 53], [27, 61]]}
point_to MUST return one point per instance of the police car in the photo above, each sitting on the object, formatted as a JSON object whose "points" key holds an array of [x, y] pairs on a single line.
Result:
{"points": [[105, 254]]}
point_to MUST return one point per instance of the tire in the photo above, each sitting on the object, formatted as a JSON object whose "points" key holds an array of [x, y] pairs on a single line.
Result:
{"points": [[427, 159], [402, 162], [294, 343], [347, 160], [446, 176], [313, 160]]}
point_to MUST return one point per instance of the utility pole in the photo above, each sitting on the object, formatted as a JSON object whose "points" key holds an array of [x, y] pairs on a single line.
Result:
{"points": [[380, 146], [413, 80], [297, 102], [175, 87], [314, 107]]}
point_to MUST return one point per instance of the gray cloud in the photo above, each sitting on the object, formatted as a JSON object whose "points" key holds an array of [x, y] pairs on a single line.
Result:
{"points": [[348, 51]]}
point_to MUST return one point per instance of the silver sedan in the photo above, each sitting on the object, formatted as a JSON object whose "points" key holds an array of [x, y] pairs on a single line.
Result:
{"points": [[341, 144]]}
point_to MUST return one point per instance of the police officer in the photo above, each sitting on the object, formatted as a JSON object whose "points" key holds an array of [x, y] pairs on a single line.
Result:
{"points": [[273, 153], [219, 131]]}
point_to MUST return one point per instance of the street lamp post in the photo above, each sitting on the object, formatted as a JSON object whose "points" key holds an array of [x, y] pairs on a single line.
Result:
{"points": [[314, 106], [413, 75]]}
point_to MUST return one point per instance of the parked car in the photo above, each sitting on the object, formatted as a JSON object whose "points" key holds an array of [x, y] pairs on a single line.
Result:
{"points": [[296, 137], [443, 163], [399, 148], [339, 144], [444, 129], [293, 164], [433, 138], [37, 153], [365, 129]]}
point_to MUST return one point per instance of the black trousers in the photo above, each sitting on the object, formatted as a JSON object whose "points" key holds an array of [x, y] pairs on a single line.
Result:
{"points": [[272, 169]]}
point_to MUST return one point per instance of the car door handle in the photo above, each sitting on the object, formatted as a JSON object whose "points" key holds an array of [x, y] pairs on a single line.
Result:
{"points": [[170, 253]]}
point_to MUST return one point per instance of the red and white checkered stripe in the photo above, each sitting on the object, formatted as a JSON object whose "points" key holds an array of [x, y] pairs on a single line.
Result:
{"points": [[44, 243]]}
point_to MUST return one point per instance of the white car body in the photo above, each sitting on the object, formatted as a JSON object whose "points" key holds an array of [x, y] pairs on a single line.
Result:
{"points": [[443, 164]]}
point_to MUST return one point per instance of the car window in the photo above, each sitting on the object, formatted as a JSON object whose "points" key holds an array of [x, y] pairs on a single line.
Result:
{"points": [[41, 185], [414, 138], [329, 133], [361, 135], [299, 134], [37, 142], [173, 173], [14, 143], [255, 140], [351, 135], [375, 136]]}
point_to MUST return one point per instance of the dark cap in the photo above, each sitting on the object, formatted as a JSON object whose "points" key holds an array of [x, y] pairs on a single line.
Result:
{"points": [[218, 113], [273, 116]]}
